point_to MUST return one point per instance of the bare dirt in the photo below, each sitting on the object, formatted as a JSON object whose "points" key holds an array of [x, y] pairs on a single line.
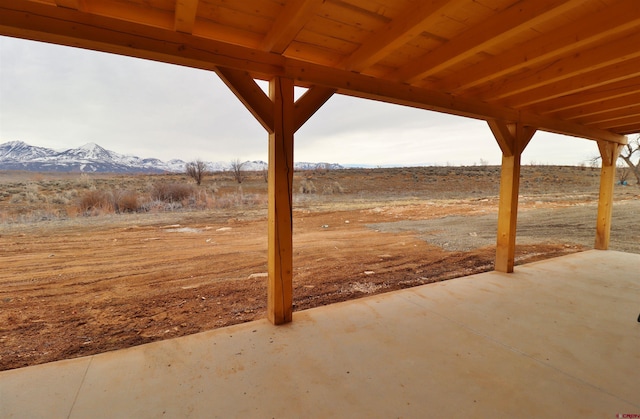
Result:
{"points": [[77, 285]]}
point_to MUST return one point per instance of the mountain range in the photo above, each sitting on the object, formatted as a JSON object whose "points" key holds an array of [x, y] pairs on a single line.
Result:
{"points": [[18, 155]]}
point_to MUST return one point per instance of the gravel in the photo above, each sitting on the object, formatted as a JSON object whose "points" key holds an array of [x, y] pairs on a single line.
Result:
{"points": [[571, 225]]}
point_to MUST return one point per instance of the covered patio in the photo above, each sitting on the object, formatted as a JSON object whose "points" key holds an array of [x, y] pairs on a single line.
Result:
{"points": [[553, 338], [557, 338]]}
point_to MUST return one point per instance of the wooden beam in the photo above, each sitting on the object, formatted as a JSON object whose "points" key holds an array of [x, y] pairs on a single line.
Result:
{"points": [[588, 61], [609, 153], [130, 11], [576, 84], [558, 126], [70, 4], [185, 15], [630, 106], [38, 22], [513, 139], [614, 19], [593, 110], [626, 129], [397, 32], [250, 94], [35, 21], [631, 118], [309, 103], [565, 107], [289, 22], [280, 187], [629, 131], [516, 18]]}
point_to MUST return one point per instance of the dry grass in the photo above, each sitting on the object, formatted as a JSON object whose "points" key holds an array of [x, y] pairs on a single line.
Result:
{"points": [[26, 196]]}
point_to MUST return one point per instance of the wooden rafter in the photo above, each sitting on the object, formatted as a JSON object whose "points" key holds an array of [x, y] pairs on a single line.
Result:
{"points": [[399, 31], [70, 4], [611, 112], [132, 12], [627, 126], [568, 106], [519, 17], [577, 83], [596, 27], [185, 16], [619, 123], [572, 66], [291, 20]]}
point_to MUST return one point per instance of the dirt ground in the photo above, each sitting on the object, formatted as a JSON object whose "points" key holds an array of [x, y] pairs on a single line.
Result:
{"points": [[74, 286]]}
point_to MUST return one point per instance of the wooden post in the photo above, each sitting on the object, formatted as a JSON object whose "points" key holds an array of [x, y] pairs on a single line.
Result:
{"points": [[508, 213], [512, 139], [281, 117], [280, 288], [609, 153]]}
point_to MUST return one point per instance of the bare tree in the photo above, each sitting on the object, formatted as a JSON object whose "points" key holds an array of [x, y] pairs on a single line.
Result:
{"points": [[197, 170], [628, 155], [236, 168]]}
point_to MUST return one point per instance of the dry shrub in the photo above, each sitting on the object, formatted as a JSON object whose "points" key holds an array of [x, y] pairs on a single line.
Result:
{"points": [[126, 201], [307, 186], [73, 211], [95, 202], [333, 188], [171, 192], [238, 199], [202, 199]]}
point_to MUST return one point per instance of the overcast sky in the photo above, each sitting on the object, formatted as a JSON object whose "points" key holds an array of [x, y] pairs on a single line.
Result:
{"points": [[61, 97]]}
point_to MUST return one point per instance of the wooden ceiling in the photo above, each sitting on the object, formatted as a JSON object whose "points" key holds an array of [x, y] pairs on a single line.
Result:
{"points": [[565, 66]]}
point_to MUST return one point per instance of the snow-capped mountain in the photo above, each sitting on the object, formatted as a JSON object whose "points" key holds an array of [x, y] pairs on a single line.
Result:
{"points": [[18, 155], [22, 151]]}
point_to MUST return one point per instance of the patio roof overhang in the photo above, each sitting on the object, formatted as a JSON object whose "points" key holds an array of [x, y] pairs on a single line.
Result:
{"points": [[571, 67]]}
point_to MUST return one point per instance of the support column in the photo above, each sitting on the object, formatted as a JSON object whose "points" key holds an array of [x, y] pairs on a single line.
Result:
{"points": [[280, 287], [512, 139], [281, 116], [508, 213], [609, 153]]}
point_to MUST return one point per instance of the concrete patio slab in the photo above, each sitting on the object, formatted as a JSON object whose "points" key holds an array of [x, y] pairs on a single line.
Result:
{"points": [[557, 338]]}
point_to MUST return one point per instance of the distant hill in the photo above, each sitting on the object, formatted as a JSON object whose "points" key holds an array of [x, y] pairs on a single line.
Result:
{"points": [[18, 155]]}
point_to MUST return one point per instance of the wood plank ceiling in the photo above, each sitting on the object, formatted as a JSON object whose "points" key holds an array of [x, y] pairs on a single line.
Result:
{"points": [[566, 66]]}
